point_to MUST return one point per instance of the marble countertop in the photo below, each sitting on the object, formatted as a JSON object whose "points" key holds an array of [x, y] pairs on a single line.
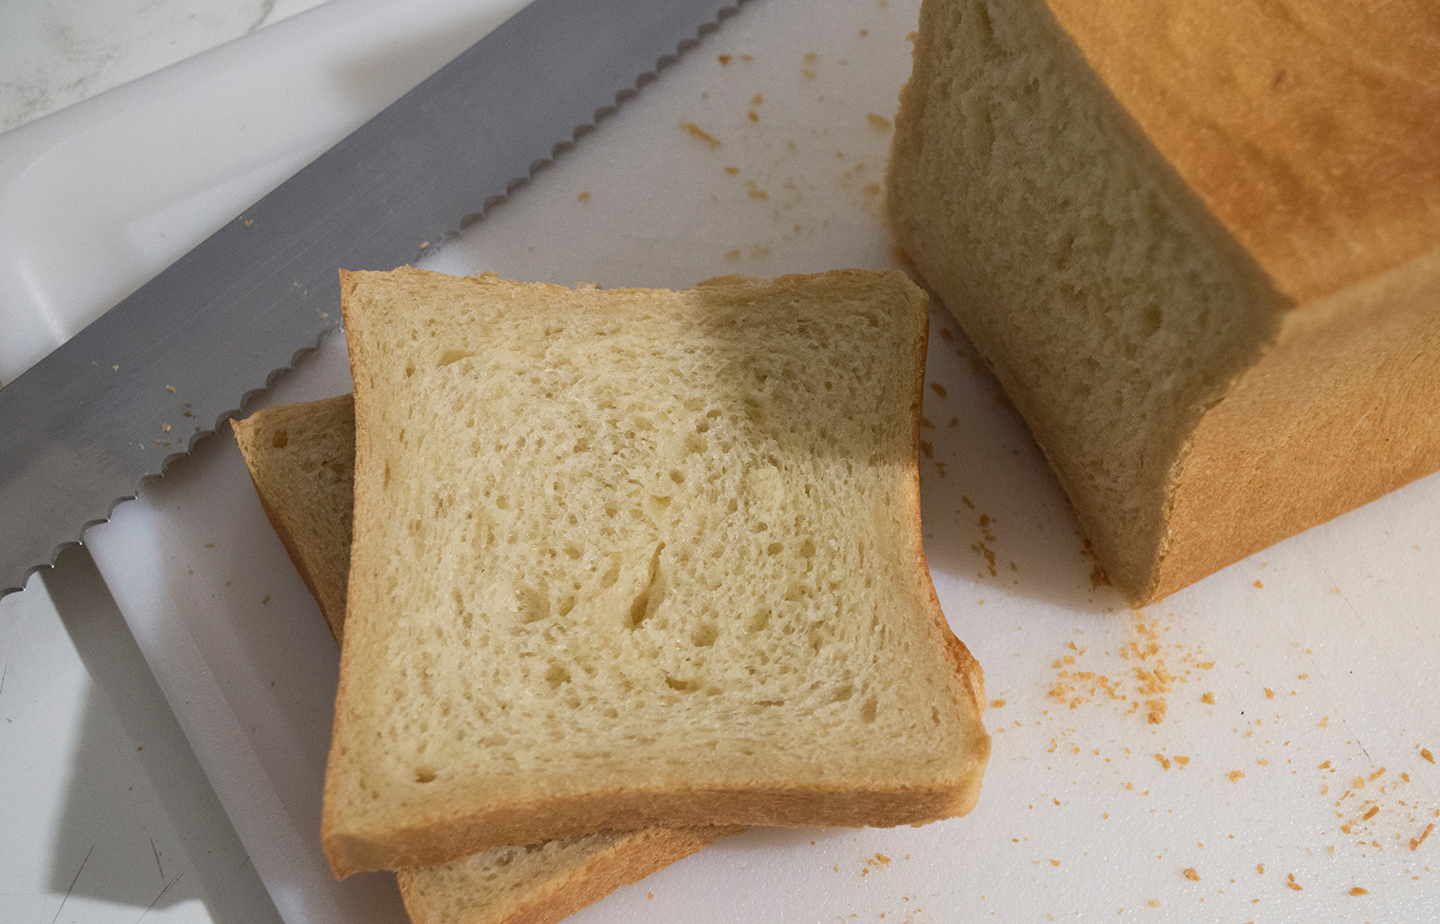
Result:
{"points": [[56, 53], [106, 815]]}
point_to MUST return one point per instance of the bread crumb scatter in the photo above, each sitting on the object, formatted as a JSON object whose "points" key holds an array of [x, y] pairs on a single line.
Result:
{"points": [[1189, 873], [1291, 883]]}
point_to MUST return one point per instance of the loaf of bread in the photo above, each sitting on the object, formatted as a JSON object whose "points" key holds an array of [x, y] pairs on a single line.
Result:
{"points": [[637, 558], [301, 458], [1199, 245]]}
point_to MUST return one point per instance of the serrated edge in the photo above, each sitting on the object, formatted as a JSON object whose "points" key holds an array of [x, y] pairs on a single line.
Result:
{"points": [[248, 399]]}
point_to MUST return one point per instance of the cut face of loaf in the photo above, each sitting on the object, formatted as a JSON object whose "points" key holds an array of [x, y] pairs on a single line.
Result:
{"points": [[1199, 244], [301, 458], [636, 557]]}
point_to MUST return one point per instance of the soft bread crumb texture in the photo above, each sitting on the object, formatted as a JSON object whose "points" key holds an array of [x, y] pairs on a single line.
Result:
{"points": [[1120, 281], [543, 883], [672, 573], [301, 458]]}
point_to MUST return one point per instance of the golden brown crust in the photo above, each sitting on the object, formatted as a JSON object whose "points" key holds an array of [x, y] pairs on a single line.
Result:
{"points": [[1303, 125], [1344, 410], [436, 840], [631, 858]]}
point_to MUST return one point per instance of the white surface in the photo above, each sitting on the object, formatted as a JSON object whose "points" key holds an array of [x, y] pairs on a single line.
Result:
{"points": [[106, 816], [58, 53], [1078, 817]]}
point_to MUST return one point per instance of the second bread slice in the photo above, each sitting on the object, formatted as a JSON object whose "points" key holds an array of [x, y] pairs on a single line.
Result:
{"points": [[630, 558]]}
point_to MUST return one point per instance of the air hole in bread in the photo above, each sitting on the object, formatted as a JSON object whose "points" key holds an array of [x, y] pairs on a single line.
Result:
{"points": [[424, 775], [705, 635], [281, 439], [454, 356]]}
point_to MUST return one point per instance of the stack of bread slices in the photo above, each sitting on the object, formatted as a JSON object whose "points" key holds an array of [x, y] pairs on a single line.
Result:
{"points": [[616, 573]]}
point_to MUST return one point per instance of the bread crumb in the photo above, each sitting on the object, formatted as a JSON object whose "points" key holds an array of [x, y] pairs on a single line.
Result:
{"points": [[1417, 841], [1258, 584], [649, 895], [757, 99], [754, 116], [170, 388], [1207, 698], [1189, 873], [1323, 723], [1054, 862], [879, 121], [1154, 903], [696, 132], [1425, 753], [1260, 868], [1359, 891], [732, 170], [265, 599], [996, 703], [1235, 776], [1182, 761], [1163, 761], [584, 196], [732, 254], [1377, 774], [724, 59]]}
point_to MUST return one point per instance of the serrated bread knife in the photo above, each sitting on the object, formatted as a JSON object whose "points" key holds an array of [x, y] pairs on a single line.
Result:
{"points": [[81, 429]]}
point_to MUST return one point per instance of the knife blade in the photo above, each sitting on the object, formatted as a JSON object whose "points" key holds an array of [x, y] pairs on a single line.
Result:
{"points": [[82, 430]]}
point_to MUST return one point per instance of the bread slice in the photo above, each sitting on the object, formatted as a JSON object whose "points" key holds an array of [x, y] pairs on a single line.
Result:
{"points": [[637, 558], [1199, 244], [301, 458]]}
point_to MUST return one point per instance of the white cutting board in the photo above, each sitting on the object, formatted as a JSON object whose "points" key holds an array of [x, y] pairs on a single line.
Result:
{"points": [[1319, 655]]}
